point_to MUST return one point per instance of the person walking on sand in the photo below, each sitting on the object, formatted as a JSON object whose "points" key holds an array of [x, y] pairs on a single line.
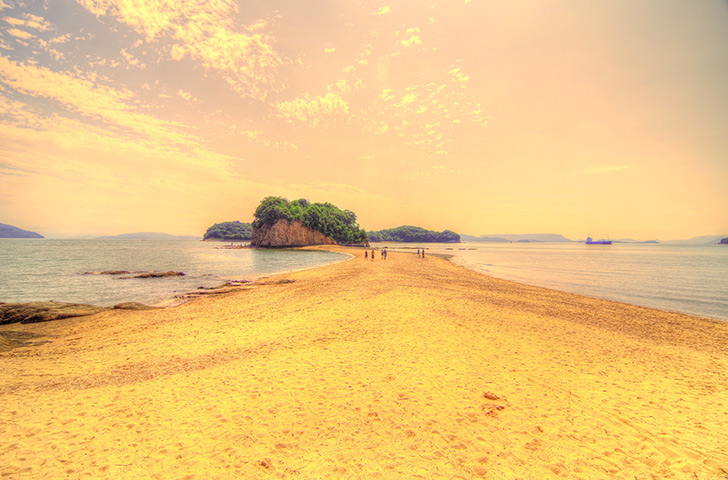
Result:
{"points": [[366, 254], [372, 254]]}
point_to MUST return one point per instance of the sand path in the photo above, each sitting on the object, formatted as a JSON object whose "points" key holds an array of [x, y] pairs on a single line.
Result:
{"points": [[370, 369]]}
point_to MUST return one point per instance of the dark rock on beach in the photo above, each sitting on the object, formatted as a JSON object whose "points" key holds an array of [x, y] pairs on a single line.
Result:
{"points": [[110, 272], [170, 273], [133, 306], [34, 312], [160, 274]]}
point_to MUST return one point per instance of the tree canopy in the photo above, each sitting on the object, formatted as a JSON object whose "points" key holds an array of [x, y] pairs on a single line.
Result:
{"points": [[339, 225], [408, 233], [230, 231]]}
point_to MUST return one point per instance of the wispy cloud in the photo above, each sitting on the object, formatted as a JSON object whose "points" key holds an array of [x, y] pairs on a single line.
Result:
{"points": [[206, 32], [87, 114]]}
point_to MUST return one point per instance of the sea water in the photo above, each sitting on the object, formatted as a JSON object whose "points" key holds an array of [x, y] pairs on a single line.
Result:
{"points": [[47, 269], [689, 279]]}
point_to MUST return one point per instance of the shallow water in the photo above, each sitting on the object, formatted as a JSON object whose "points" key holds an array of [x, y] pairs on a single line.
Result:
{"points": [[690, 279], [45, 269]]}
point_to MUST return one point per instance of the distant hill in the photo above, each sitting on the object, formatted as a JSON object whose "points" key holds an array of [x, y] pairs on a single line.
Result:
{"points": [[408, 233], [527, 237], [8, 231], [701, 240], [147, 236], [482, 238], [631, 240]]}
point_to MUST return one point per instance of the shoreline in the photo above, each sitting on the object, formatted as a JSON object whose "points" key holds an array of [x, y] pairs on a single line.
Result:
{"points": [[397, 368], [593, 290], [183, 298]]}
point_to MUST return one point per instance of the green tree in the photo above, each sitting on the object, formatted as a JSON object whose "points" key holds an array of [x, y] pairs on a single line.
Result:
{"points": [[408, 233], [270, 210], [330, 220], [231, 231]]}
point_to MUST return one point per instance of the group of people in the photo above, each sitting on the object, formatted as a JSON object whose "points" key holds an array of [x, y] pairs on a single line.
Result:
{"points": [[420, 253], [383, 254]]}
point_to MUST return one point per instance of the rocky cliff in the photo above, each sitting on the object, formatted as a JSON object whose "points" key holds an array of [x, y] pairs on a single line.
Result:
{"points": [[287, 234]]}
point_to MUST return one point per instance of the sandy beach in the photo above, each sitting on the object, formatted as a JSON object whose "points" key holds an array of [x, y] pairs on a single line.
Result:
{"points": [[404, 368]]}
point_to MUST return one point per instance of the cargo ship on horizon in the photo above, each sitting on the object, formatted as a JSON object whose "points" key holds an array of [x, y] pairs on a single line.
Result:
{"points": [[589, 241]]}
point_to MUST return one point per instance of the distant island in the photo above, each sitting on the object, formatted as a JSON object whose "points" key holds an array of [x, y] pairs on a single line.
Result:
{"points": [[280, 223], [408, 233], [483, 239], [146, 236], [724, 241], [701, 240], [8, 231], [525, 237], [229, 231]]}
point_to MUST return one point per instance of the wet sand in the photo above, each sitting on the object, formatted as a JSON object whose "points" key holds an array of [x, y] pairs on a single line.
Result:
{"points": [[404, 368]]}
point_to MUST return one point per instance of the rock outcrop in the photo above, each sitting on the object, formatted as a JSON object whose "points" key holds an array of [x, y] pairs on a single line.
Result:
{"points": [[287, 234], [33, 312], [170, 273]]}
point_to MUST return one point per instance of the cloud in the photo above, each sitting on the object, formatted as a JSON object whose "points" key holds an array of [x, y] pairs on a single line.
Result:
{"points": [[30, 21], [323, 109], [458, 76], [205, 32], [186, 95], [592, 169], [80, 110], [414, 38], [85, 96], [15, 32], [429, 117]]}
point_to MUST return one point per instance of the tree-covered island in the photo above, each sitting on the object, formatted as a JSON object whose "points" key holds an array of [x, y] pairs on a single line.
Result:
{"points": [[229, 231], [338, 225], [407, 233]]}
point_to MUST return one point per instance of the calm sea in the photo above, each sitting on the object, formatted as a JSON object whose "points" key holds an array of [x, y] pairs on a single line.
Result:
{"points": [[689, 279], [40, 270]]}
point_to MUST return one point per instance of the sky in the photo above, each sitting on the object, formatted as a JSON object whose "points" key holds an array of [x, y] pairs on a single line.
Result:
{"points": [[607, 118]]}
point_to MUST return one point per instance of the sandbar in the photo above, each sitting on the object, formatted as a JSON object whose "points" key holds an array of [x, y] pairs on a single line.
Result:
{"points": [[396, 368]]}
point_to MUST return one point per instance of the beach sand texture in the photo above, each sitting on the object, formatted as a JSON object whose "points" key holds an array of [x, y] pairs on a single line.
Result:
{"points": [[404, 368]]}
